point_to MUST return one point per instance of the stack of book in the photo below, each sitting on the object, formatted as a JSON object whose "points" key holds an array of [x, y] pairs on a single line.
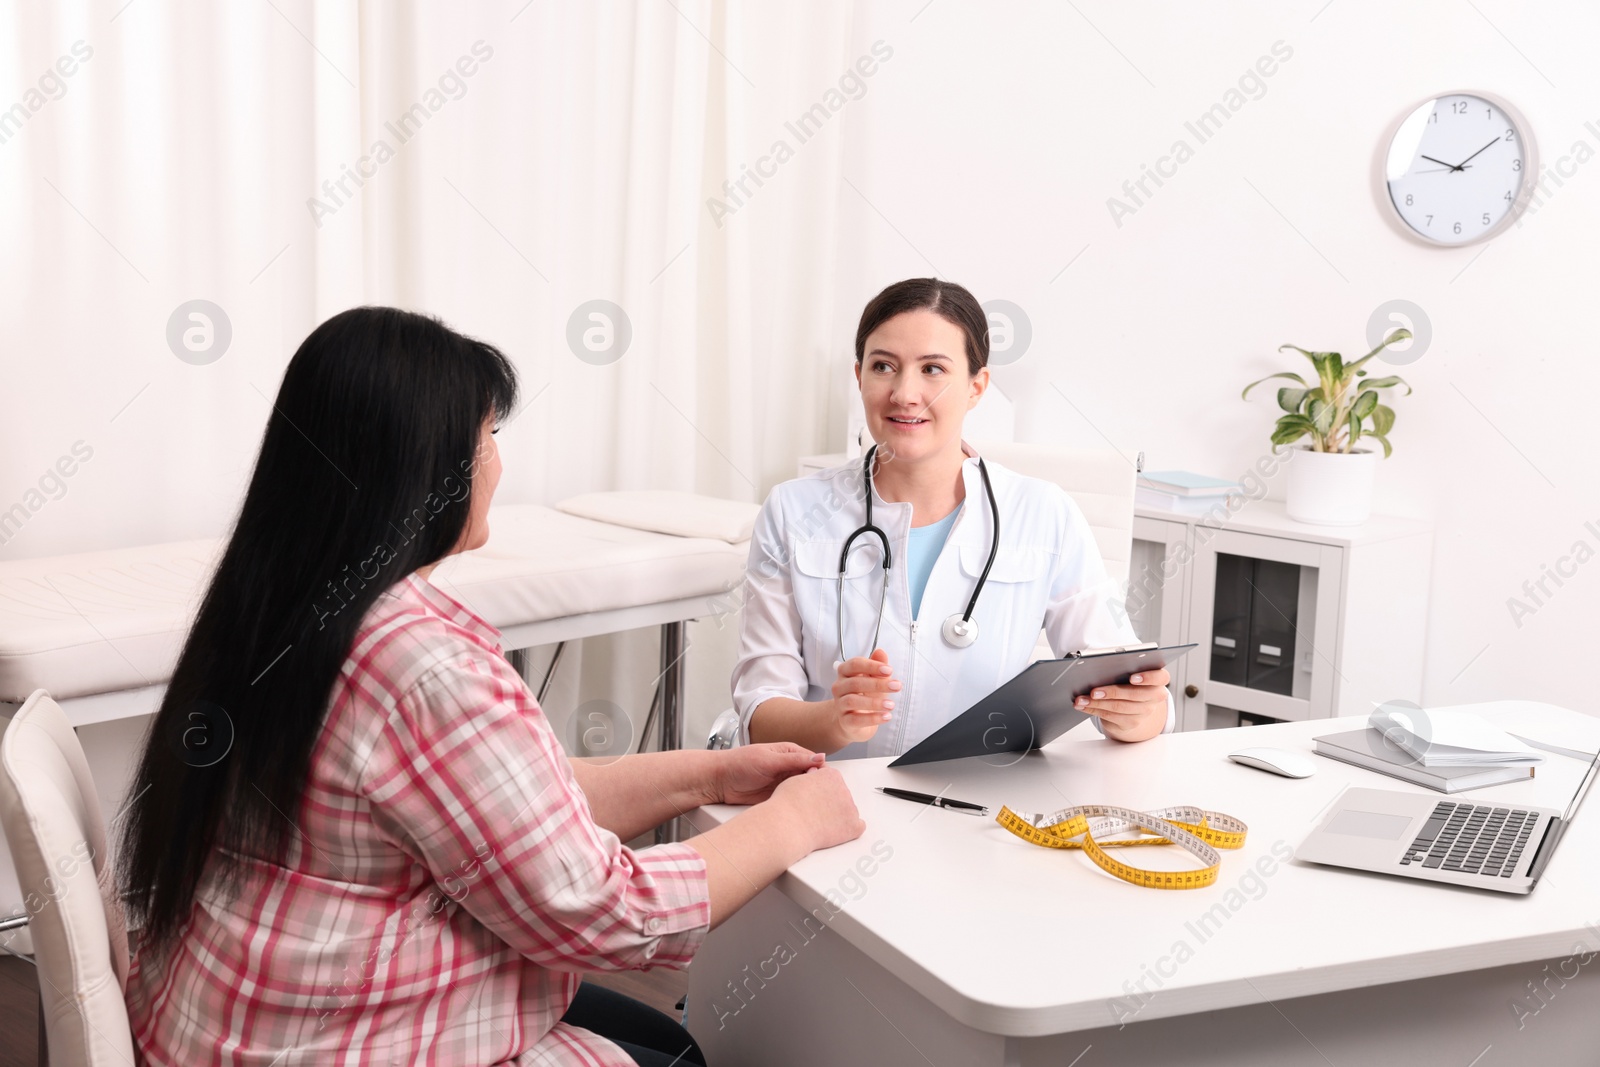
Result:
{"points": [[1184, 492], [1445, 751]]}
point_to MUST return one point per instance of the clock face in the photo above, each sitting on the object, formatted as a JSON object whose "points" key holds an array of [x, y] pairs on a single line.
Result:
{"points": [[1456, 168]]}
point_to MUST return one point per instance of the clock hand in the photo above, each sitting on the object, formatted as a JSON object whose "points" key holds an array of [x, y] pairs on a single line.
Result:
{"points": [[1476, 154], [1442, 163], [1441, 170]]}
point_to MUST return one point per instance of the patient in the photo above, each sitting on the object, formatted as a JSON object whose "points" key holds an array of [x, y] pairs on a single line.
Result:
{"points": [[354, 834]]}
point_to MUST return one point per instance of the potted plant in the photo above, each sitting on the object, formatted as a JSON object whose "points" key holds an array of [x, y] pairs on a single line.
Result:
{"points": [[1330, 479]]}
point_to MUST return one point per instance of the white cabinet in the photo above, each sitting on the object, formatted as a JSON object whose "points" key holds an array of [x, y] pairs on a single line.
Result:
{"points": [[1351, 631], [1158, 614], [1340, 629]]}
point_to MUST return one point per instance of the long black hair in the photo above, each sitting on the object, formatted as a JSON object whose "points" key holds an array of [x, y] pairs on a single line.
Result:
{"points": [[364, 475]]}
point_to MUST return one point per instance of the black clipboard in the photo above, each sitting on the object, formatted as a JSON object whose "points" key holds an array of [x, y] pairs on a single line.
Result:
{"points": [[1035, 707]]}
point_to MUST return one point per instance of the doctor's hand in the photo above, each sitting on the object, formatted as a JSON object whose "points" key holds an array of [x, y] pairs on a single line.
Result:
{"points": [[1136, 711], [864, 696], [748, 774]]}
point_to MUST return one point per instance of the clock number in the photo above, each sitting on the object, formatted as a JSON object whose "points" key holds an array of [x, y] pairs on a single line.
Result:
{"points": [[1459, 107], [1408, 200], [1486, 218], [1508, 197], [1511, 135], [1488, 113], [1456, 228], [1430, 220], [1433, 117], [1516, 164]]}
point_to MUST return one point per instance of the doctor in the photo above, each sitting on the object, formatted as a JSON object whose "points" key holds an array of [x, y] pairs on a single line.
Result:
{"points": [[944, 585]]}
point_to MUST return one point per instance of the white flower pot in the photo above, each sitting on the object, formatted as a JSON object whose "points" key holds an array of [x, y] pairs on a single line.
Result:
{"points": [[1330, 488]]}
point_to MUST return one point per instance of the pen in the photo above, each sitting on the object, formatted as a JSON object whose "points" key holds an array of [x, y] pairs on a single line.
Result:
{"points": [[963, 806]]}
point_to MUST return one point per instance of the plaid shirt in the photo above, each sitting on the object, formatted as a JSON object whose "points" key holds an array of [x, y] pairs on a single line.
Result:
{"points": [[446, 883]]}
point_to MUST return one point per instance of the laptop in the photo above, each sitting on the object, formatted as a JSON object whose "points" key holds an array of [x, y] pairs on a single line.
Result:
{"points": [[1035, 707], [1503, 847]]}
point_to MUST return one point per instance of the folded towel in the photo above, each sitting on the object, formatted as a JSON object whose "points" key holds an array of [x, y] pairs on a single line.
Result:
{"points": [[668, 511]]}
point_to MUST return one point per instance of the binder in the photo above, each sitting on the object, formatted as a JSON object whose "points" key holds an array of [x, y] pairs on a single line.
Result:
{"points": [[1230, 619], [1274, 601]]}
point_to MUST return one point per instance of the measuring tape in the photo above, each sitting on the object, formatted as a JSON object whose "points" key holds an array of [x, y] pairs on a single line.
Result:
{"points": [[1198, 832]]}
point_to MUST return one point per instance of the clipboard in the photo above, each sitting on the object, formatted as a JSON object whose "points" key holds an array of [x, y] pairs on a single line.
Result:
{"points": [[1035, 707]]}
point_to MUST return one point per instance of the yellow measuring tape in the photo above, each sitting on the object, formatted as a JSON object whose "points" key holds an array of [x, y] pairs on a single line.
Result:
{"points": [[1198, 832]]}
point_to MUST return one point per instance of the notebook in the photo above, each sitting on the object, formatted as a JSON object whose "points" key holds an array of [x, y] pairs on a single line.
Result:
{"points": [[1183, 505], [1187, 483], [1367, 748], [1450, 738]]}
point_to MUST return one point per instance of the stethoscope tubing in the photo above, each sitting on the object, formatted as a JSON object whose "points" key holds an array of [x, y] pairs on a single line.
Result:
{"points": [[869, 529]]}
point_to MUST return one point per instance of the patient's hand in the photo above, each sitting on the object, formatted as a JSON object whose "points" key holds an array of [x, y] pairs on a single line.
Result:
{"points": [[863, 697], [749, 773]]}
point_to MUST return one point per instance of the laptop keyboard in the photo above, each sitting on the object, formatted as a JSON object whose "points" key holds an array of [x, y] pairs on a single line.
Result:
{"points": [[1472, 839]]}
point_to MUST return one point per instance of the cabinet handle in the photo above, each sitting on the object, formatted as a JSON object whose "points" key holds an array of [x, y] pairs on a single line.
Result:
{"points": [[1191, 690]]}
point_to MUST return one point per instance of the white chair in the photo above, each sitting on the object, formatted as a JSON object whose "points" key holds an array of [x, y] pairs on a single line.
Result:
{"points": [[1099, 481], [57, 835]]}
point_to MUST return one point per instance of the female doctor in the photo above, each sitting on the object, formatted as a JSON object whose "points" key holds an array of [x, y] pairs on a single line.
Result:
{"points": [[887, 596]]}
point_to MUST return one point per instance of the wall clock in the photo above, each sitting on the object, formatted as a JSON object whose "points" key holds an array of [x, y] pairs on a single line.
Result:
{"points": [[1457, 168]]}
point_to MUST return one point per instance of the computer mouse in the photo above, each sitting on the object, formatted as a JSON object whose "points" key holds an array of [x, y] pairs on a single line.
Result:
{"points": [[1277, 760]]}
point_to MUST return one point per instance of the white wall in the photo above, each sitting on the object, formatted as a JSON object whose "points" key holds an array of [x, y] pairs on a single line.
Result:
{"points": [[180, 159], [984, 150], [986, 153]]}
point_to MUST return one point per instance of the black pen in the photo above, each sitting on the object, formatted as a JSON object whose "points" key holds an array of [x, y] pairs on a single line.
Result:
{"points": [[963, 806]]}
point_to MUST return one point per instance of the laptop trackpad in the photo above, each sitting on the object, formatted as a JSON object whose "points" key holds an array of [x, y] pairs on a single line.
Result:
{"points": [[1368, 824]]}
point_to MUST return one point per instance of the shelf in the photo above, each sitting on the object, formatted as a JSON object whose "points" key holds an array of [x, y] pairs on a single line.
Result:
{"points": [[1269, 517]]}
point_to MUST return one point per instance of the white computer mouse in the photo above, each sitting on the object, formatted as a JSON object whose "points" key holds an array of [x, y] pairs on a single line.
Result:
{"points": [[1277, 760]]}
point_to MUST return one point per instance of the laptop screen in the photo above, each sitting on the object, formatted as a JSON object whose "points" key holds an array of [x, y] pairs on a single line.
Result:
{"points": [[1583, 788]]}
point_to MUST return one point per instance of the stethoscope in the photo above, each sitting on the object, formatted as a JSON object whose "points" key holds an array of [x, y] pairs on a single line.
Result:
{"points": [[959, 631]]}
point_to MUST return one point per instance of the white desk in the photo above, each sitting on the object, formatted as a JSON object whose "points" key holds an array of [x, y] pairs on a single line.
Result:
{"points": [[965, 945]]}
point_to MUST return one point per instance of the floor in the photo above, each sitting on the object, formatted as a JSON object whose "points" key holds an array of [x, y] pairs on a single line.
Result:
{"points": [[19, 1003], [19, 1013]]}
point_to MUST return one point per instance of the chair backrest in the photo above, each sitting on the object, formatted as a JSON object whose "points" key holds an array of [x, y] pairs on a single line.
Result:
{"points": [[1100, 481], [57, 835]]}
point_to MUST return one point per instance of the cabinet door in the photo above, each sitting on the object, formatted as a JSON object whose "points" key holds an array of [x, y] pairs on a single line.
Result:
{"points": [[1156, 600], [1306, 688]]}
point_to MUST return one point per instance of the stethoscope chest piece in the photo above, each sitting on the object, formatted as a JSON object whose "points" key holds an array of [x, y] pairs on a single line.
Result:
{"points": [[959, 632]]}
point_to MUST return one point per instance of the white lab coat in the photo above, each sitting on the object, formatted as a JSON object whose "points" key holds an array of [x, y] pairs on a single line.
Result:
{"points": [[1048, 573]]}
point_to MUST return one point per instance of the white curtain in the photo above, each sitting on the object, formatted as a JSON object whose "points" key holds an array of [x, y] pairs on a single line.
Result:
{"points": [[497, 165]]}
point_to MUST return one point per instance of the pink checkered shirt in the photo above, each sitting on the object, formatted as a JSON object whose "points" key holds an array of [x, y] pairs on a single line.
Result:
{"points": [[446, 884]]}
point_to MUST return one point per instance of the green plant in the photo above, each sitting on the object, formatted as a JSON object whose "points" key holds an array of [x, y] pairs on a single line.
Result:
{"points": [[1335, 411]]}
